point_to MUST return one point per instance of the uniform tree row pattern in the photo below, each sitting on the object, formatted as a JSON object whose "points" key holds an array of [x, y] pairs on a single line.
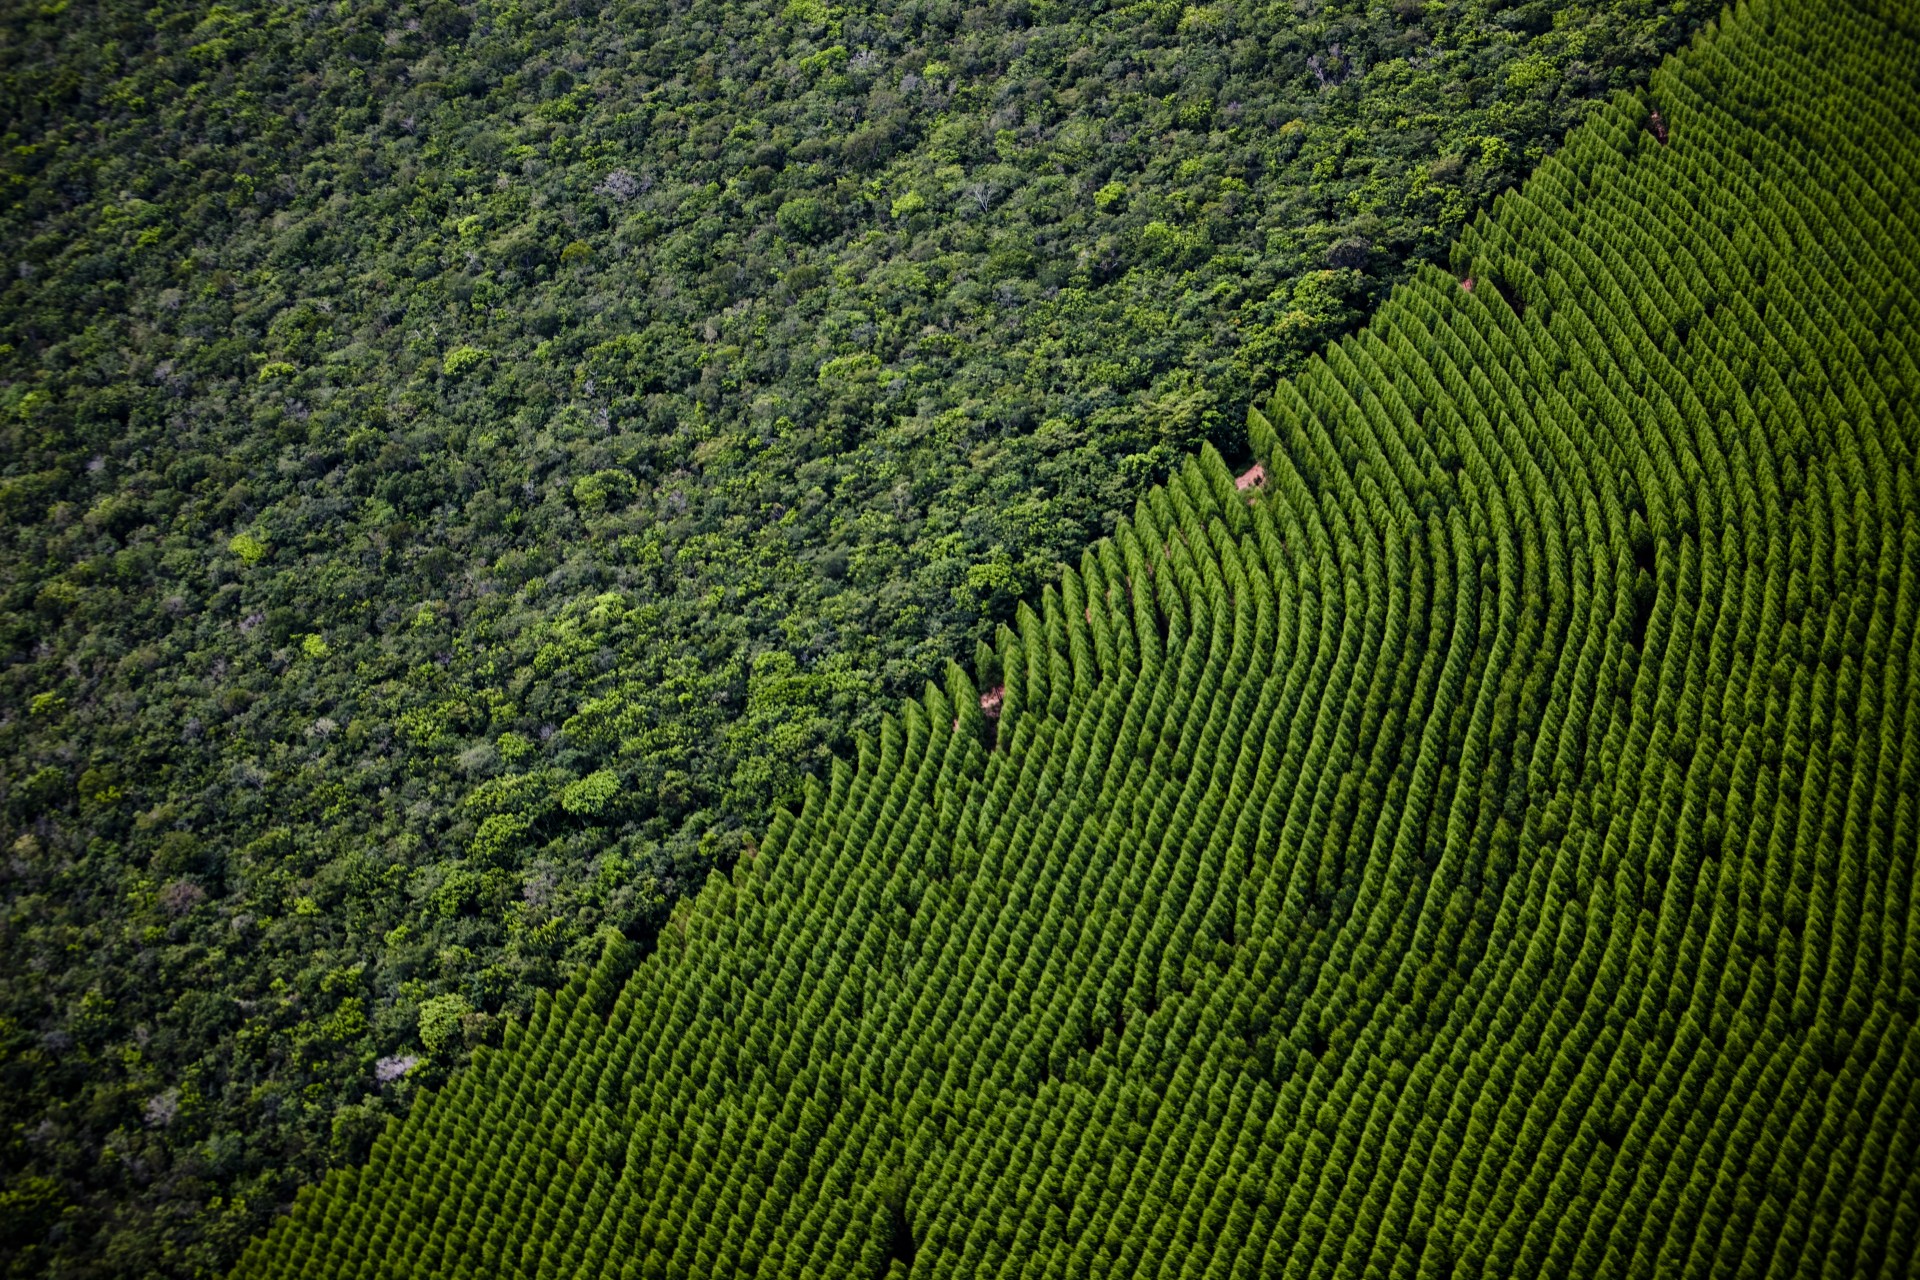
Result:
{"points": [[1486, 849]]}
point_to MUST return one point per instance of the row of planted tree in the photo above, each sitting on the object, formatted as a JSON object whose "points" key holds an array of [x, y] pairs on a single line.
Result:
{"points": [[1485, 847]]}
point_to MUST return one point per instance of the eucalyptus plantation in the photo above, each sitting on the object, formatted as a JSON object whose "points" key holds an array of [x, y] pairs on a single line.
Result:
{"points": [[1484, 847]]}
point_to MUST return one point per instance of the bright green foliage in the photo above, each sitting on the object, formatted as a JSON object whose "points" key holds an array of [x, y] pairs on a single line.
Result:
{"points": [[1488, 851], [440, 1020]]}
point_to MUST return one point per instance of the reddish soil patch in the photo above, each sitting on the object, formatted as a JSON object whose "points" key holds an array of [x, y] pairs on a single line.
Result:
{"points": [[1658, 126], [1467, 284], [990, 701], [1253, 477]]}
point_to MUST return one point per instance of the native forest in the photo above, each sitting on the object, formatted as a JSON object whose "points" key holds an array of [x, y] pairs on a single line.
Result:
{"points": [[1061, 639]]}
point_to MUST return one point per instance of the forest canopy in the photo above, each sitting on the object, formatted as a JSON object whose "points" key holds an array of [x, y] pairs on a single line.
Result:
{"points": [[462, 465]]}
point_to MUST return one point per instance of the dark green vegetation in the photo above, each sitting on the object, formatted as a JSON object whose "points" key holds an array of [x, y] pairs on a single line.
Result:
{"points": [[459, 465], [1488, 852]]}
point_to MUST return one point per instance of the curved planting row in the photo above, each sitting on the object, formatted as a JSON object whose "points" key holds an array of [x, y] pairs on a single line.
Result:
{"points": [[1488, 850]]}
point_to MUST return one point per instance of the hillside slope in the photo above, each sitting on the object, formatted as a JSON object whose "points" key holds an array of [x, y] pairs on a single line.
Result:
{"points": [[1488, 852]]}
